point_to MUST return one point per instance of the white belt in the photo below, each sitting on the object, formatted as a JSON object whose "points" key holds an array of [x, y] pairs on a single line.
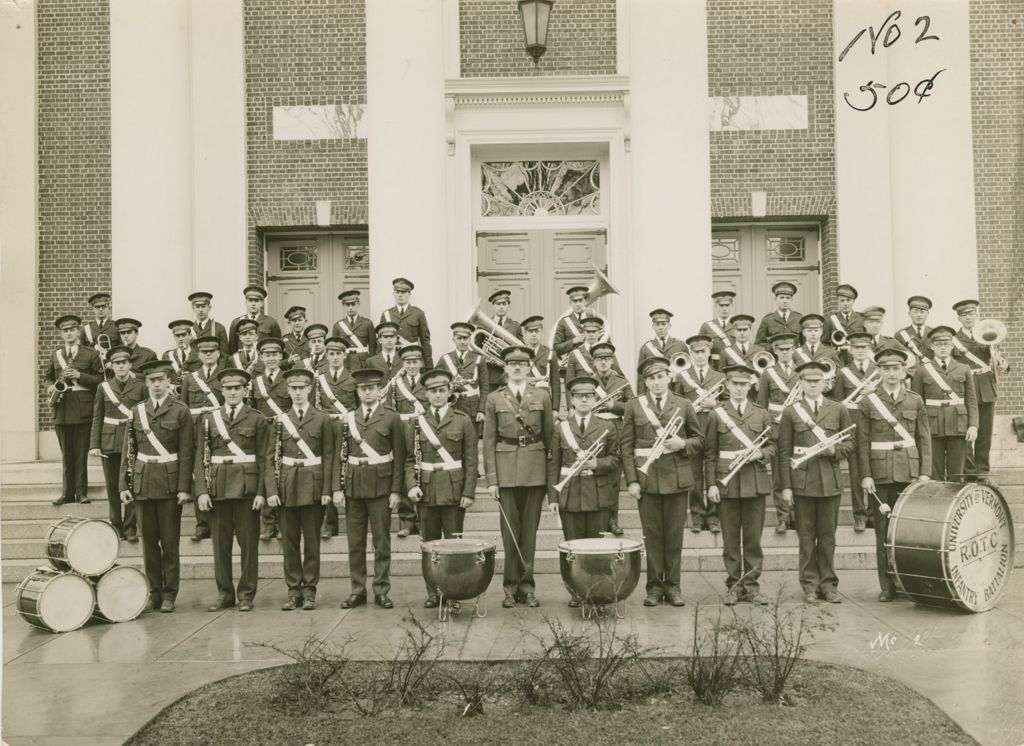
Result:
{"points": [[775, 407], [894, 445], [940, 402], [291, 461], [729, 454], [78, 387], [147, 459], [366, 460], [409, 416], [608, 416], [470, 391], [440, 466], [247, 459], [114, 420], [201, 410], [566, 471], [800, 450], [851, 405], [642, 452]]}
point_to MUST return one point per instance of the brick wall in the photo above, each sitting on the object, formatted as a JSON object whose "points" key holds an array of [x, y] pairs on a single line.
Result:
{"points": [[73, 98], [302, 52], [581, 39], [759, 48], [997, 81]]}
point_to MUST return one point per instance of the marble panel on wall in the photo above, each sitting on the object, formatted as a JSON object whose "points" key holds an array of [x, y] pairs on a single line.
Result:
{"points": [[757, 113], [328, 122]]}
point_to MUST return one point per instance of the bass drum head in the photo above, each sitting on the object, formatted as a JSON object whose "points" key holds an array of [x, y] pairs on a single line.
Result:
{"points": [[602, 545], [90, 547], [62, 601], [456, 546], [121, 594]]}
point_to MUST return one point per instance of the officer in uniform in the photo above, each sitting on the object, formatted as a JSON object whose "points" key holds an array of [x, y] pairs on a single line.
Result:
{"points": [[845, 320], [200, 392], [411, 321], [296, 346], [183, 358], [544, 371], [949, 393], [114, 401], [80, 371], [469, 373], [610, 384], [568, 333], [356, 330], [305, 437], [518, 424], [102, 325], [164, 444], [894, 449], [736, 426], [410, 400], [914, 336], [265, 325], [817, 481], [773, 389], [316, 338], [663, 345], [204, 325], [699, 384], [368, 478], [783, 318], [128, 329], [268, 395], [590, 493], [335, 395], [718, 328], [662, 492], [229, 476], [440, 465], [247, 355]]}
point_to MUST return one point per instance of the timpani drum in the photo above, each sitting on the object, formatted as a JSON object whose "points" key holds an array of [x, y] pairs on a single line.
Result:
{"points": [[950, 544], [122, 593], [55, 601], [600, 571], [86, 545], [460, 569]]}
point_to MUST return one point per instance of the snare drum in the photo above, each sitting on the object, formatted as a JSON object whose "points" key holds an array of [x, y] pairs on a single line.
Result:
{"points": [[600, 571], [460, 569], [55, 601], [86, 545], [122, 593], [951, 544]]}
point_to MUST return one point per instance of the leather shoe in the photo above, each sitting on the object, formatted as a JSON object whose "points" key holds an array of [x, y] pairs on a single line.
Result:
{"points": [[732, 598], [810, 598], [432, 602], [62, 500], [152, 604], [716, 527], [886, 596], [325, 532], [780, 527], [530, 601], [403, 532], [675, 598], [859, 524], [758, 598], [696, 528], [266, 534], [509, 602], [291, 604], [84, 500], [831, 597], [616, 529], [356, 599], [245, 605], [575, 602], [221, 604], [200, 534], [308, 603], [131, 538], [167, 606], [653, 599], [383, 601]]}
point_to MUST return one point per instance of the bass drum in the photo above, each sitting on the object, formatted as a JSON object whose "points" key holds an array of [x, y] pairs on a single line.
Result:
{"points": [[55, 601], [86, 545], [951, 544], [122, 593]]}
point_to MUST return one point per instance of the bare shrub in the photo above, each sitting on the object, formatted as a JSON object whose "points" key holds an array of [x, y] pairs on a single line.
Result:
{"points": [[714, 667]]}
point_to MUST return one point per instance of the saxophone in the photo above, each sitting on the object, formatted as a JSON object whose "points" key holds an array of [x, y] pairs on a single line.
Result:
{"points": [[207, 453], [131, 452], [278, 454]]}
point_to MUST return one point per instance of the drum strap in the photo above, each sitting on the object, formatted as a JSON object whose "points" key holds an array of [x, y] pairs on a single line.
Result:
{"points": [[581, 358], [908, 440], [446, 457], [108, 391], [88, 332], [360, 347], [61, 360], [820, 434], [358, 438], [330, 394], [153, 440], [174, 361], [905, 336], [730, 423], [261, 384], [205, 388], [222, 430], [974, 360], [573, 329], [942, 384], [294, 432]]}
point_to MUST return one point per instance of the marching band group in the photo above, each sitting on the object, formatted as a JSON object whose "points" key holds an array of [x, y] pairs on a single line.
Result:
{"points": [[272, 434]]}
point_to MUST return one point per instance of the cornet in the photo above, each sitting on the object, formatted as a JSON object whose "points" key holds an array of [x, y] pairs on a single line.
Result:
{"points": [[581, 461], [490, 340]]}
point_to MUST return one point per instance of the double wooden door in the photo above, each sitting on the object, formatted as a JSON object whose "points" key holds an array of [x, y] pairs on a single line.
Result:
{"points": [[311, 270]]}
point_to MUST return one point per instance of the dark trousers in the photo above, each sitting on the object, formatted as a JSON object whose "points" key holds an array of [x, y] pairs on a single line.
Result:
{"points": [[663, 518], [816, 522], [860, 509], [268, 520], [439, 522], [702, 512], [978, 461], [160, 526], [331, 519], [783, 512], [125, 523], [372, 512], [583, 524], [74, 457], [232, 519], [742, 524], [948, 458], [887, 493], [301, 571], [522, 506], [406, 513]]}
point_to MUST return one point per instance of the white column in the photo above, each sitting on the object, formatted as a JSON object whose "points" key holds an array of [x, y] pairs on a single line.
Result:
{"points": [[670, 162], [18, 259], [406, 152]]}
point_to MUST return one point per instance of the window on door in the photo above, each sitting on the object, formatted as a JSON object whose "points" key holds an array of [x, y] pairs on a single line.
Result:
{"points": [[310, 270]]}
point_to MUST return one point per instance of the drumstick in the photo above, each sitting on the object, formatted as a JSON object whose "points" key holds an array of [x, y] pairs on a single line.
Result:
{"points": [[882, 507], [512, 535]]}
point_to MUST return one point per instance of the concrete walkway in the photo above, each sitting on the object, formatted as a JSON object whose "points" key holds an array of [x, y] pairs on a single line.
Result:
{"points": [[98, 685]]}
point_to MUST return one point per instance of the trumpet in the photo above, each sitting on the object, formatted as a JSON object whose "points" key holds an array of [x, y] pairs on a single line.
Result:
{"points": [[658, 449], [867, 385], [762, 361], [990, 332], [710, 395], [741, 459], [610, 396], [490, 340], [679, 362], [823, 445], [582, 457]]}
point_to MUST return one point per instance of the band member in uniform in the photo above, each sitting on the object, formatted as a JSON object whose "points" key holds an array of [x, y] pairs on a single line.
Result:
{"points": [[229, 478], [268, 395], [183, 358], [102, 325], [810, 423], [316, 337], [440, 465], [662, 492], [774, 390], [265, 325], [501, 301], [894, 449], [663, 345], [718, 328], [518, 424], [114, 400], [128, 329], [783, 318], [301, 452], [568, 331], [411, 321], [738, 445], [947, 387], [914, 337], [356, 330], [159, 454], [410, 401], [813, 347], [296, 346], [386, 360], [205, 325], [703, 387], [872, 317], [78, 370], [367, 482], [581, 361], [200, 392], [742, 350], [585, 456], [614, 390], [853, 383], [845, 320], [247, 354], [544, 371], [335, 394], [469, 373], [985, 365]]}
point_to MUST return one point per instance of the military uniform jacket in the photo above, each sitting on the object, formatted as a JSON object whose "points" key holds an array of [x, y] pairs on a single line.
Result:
{"points": [[496, 373], [248, 360], [566, 328], [615, 408], [316, 363], [544, 366], [589, 490], [362, 328], [91, 333], [301, 483], [233, 478], [818, 476], [882, 461], [581, 363], [412, 327], [668, 348], [721, 336], [76, 405], [140, 356], [773, 389], [847, 379], [171, 425], [342, 391], [734, 355], [193, 390], [379, 362], [182, 362], [295, 345], [473, 371], [403, 405], [882, 342], [672, 472], [212, 328], [984, 378], [917, 344], [949, 418], [263, 392], [773, 324], [517, 436], [853, 322], [720, 442], [823, 352], [109, 421], [267, 327], [688, 385], [457, 435], [384, 434]]}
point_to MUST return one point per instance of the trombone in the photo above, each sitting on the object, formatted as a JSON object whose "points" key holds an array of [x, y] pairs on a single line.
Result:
{"points": [[610, 396], [490, 340], [838, 339], [762, 361], [103, 346], [679, 362], [582, 457]]}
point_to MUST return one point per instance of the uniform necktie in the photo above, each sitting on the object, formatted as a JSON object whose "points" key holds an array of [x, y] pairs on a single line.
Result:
{"points": [[519, 396], [739, 409], [893, 395], [583, 425], [462, 359], [863, 368], [814, 350], [437, 415], [387, 359], [814, 407], [366, 414], [943, 366], [743, 350], [785, 317], [657, 402], [302, 413], [334, 375], [231, 414], [789, 370], [209, 372]]}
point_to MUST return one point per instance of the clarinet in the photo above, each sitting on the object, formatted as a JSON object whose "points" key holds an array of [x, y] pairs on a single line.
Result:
{"points": [[344, 451], [278, 455], [316, 395], [417, 449], [132, 452], [207, 453]]}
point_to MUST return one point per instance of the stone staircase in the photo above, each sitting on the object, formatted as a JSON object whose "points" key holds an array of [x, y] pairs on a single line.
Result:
{"points": [[26, 490]]}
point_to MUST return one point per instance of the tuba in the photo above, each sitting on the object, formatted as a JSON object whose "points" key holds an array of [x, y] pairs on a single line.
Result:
{"points": [[490, 340], [989, 332], [762, 361], [598, 288]]}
